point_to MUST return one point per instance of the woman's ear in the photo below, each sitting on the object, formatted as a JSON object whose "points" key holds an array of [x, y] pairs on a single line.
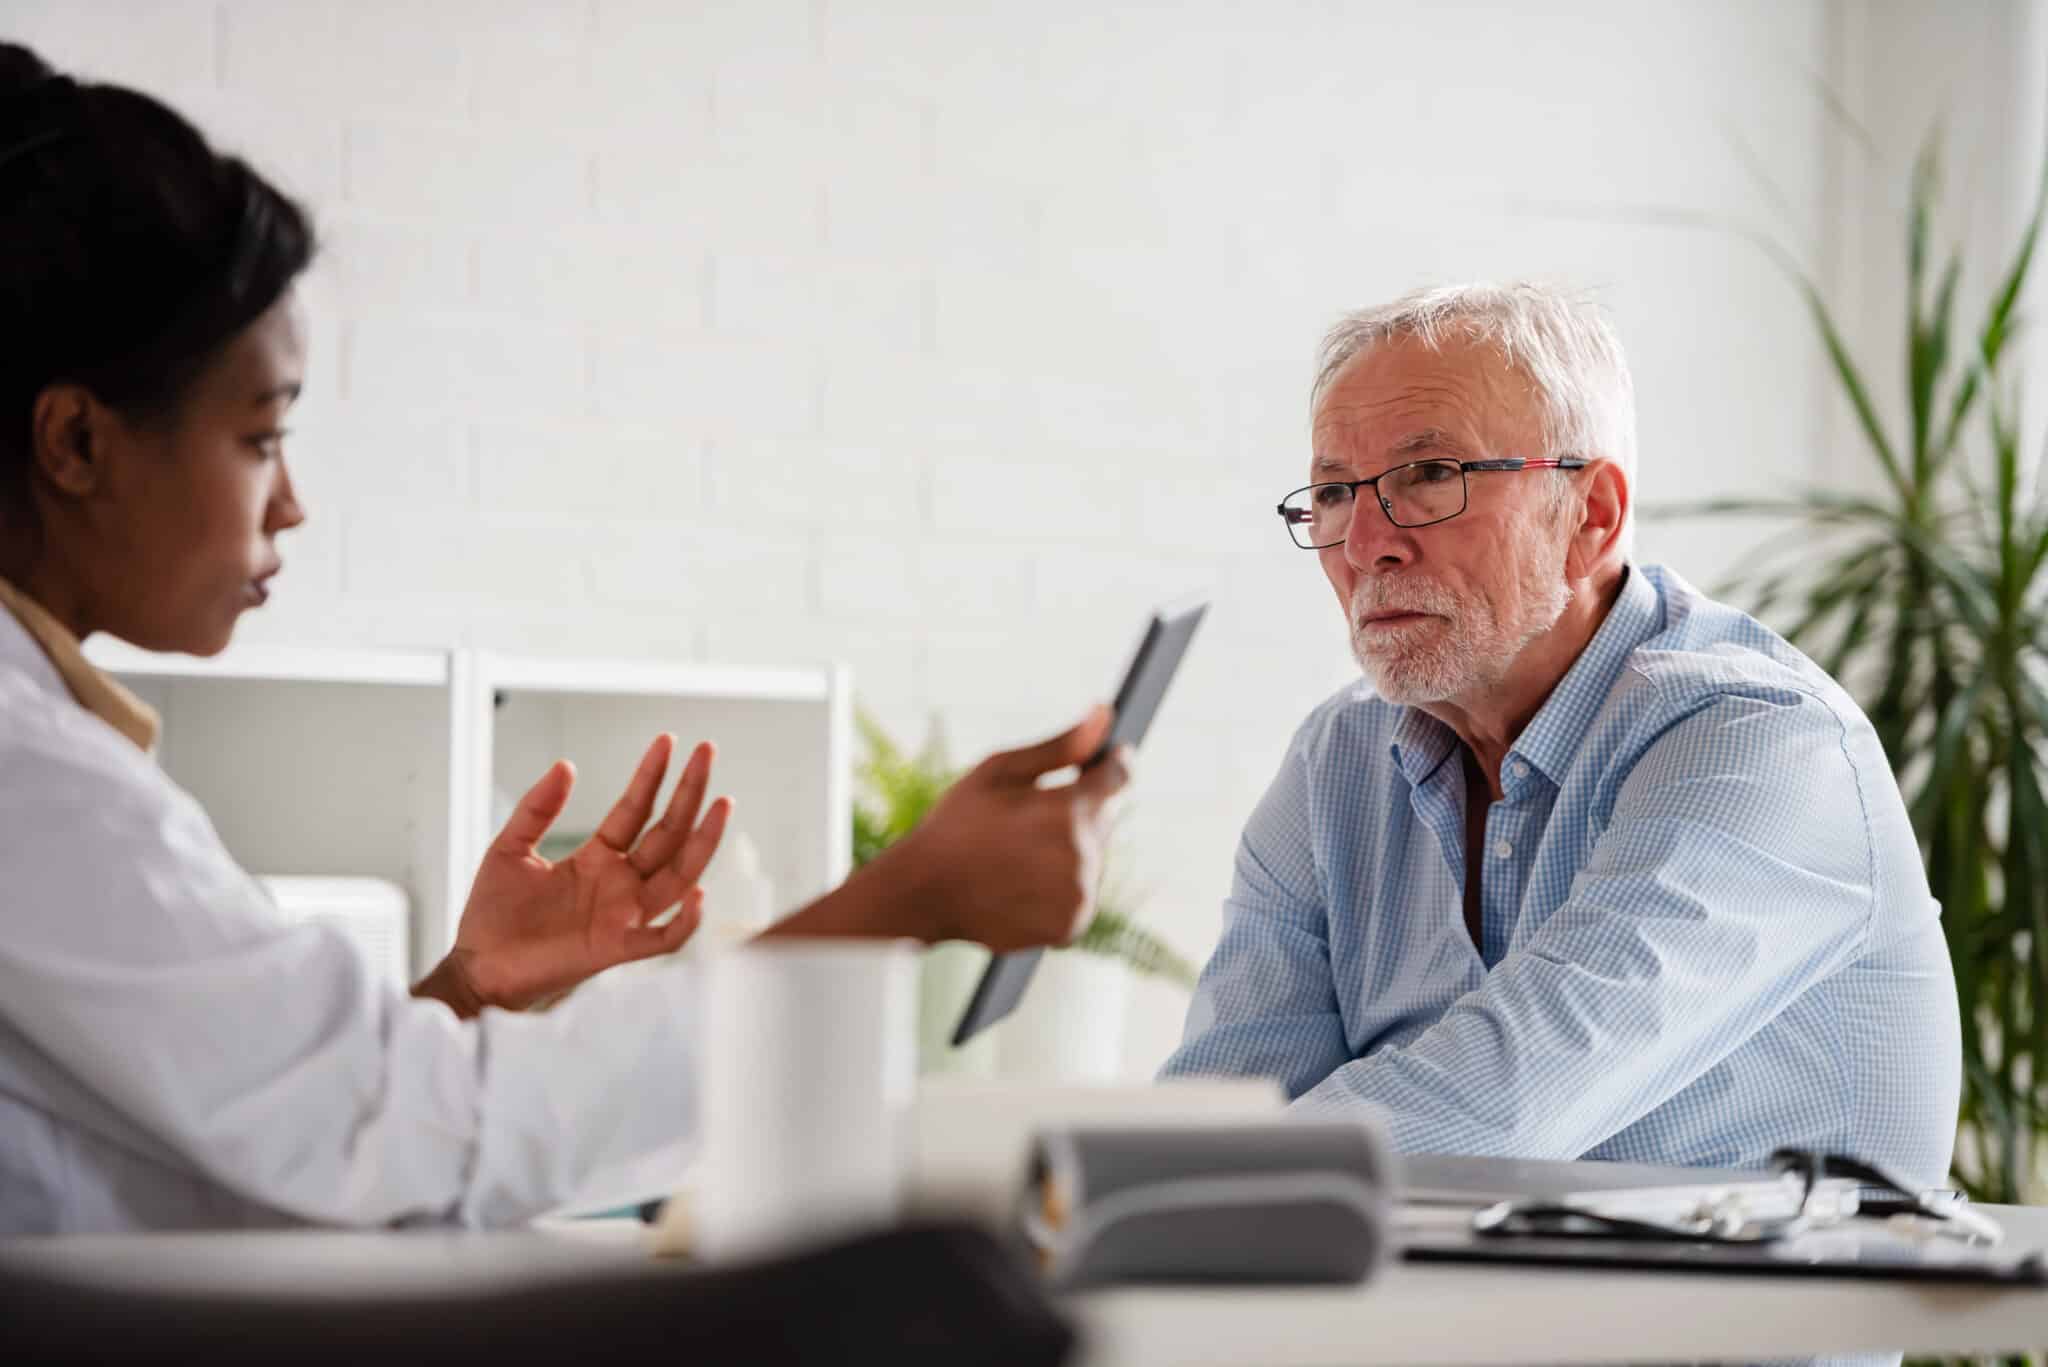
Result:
{"points": [[66, 427]]}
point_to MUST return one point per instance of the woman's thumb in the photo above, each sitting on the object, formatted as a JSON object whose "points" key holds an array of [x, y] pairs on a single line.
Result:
{"points": [[1074, 745]]}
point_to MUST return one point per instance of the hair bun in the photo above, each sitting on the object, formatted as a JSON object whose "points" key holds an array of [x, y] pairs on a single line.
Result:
{"points": [[31, 98], [22, 72]]}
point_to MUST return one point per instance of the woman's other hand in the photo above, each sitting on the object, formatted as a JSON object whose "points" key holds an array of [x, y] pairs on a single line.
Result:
{"points": [[533, 929], [1005, 858], [1010, 861]]}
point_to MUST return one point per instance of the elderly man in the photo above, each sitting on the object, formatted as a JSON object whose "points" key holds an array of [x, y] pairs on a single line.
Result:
{"points": [[1589, 865]]}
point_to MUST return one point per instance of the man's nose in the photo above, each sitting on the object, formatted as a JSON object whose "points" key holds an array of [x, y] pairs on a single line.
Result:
{"points": [[1373, 542]]}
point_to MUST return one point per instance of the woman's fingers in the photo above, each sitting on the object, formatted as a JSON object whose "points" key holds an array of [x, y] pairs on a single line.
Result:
{"points": [[644, 942], [623, 822], [1095, 787], [537, 810], [674, 879], [659, 844], [695, 856]]}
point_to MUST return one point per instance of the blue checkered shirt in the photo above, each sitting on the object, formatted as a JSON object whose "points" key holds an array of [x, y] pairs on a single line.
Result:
{"points": [[1707, 930]]}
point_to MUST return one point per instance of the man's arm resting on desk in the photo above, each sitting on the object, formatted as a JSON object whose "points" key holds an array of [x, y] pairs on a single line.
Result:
{"points": [[1720, 890], [1266, 1005]]}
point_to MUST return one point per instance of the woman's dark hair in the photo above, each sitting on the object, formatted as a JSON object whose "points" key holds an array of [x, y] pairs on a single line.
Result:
{"points": [[130, 252]]}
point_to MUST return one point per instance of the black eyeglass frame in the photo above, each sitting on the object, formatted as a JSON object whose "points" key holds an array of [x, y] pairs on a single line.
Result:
{"points": [[1295, 517], [1555, 1220]]}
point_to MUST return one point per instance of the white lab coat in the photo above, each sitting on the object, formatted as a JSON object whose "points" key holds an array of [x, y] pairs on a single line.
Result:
{"points": [[175, 1054]]}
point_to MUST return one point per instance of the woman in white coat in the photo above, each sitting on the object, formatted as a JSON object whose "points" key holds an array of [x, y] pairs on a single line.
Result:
{"points": [[173, 1053]]}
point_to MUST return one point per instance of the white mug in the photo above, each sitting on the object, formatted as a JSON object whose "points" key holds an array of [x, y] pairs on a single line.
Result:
{"points": [[809, 1061]]}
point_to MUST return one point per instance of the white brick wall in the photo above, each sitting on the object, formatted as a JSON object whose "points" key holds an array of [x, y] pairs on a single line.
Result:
{"points": [[1014, 304]]}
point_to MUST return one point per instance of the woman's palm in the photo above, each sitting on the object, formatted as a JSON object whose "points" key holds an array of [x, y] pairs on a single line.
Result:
{"points": [[533, 928]]}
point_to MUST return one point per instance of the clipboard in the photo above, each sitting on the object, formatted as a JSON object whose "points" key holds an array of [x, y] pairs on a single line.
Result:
{"points": [[1852, 1249]]}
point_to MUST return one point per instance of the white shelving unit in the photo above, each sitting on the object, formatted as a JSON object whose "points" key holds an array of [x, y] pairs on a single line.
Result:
{"points": [[395, 764]]}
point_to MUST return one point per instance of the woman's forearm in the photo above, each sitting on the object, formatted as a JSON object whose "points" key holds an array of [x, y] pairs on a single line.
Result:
{"points": [[886, 899]]}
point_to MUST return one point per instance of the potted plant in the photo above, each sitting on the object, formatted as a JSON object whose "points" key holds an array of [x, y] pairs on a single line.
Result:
{"points": [[1928, 599], [1070, 1024]]}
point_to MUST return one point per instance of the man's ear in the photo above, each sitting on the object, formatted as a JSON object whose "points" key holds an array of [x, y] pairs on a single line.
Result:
{"points": [[1606, 504], [68, 430]]}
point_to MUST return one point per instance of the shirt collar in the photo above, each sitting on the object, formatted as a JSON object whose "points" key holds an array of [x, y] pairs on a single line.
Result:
{"points": [[93, 690], [1552, 736], [1421, 743]]}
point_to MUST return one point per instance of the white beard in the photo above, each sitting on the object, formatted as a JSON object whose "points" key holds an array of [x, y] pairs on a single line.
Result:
{"points": [[1464, 647]]}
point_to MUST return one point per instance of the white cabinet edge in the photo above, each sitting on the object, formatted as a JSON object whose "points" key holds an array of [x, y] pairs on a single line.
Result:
{"points": [[292, 664], [653, 678], [424, 668], [838, 775]]}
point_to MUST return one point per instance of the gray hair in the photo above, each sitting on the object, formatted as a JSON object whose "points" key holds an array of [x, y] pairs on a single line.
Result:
{"points": [[1561, 342]]}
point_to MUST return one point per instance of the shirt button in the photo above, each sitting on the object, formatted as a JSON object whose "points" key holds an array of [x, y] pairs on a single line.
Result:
{"points": [[1502, 849], [1519, 769]]}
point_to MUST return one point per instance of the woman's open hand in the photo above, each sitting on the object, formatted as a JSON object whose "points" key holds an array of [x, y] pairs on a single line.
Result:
{"points": [[533, 929]]}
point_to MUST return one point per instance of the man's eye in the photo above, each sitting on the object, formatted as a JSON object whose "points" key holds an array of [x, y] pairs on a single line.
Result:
{"points": [[1434, 473], [269, 444], [1330, 495]]}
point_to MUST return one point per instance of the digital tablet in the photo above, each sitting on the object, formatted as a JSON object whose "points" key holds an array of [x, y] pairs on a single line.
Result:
{"points": [[1137, 699]]}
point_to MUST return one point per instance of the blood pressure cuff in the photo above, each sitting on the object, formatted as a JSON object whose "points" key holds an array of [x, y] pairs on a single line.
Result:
{"points": [[1281, 1201]]}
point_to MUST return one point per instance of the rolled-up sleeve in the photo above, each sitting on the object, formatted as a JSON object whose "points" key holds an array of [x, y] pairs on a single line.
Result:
{"points": [[143, 962], [1734, 871]]}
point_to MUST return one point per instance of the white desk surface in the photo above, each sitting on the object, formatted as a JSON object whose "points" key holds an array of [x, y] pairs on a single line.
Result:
{"points": [[1453, 1313], [1412, 1313]]}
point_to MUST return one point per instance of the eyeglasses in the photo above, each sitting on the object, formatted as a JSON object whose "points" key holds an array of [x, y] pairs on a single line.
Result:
{"points": [[1417, 494], [1726, 1218]]}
